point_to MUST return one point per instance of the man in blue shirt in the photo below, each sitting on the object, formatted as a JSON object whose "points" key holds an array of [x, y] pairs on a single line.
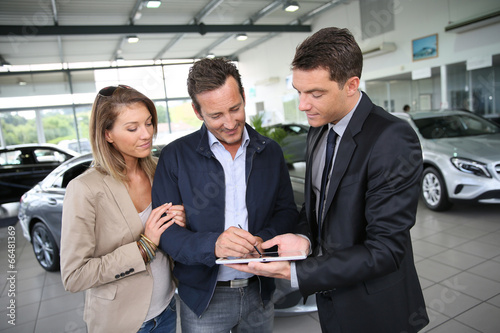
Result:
{"points": [[236, 190]]}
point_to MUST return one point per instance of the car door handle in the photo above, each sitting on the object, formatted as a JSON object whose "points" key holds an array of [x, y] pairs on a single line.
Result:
{"points": [[52, 201]]}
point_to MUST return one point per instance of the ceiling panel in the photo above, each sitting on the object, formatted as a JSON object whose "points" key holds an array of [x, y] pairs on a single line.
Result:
{"points": [[79, 49], [29, 44]]}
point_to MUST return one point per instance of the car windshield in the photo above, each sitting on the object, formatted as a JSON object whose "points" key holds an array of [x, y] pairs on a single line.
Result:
{"points": [[454, 126]]}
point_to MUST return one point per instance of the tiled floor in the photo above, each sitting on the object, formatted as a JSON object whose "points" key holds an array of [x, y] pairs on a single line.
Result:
{"points": [[457, 256]]}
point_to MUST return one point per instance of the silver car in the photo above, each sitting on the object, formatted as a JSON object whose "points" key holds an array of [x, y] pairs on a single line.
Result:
{"points": [[461, 153]]}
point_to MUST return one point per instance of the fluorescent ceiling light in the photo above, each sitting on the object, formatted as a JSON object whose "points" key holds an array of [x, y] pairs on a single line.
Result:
{"points": [[241, 37], [132, 39], [291, 6], [153, 3]]}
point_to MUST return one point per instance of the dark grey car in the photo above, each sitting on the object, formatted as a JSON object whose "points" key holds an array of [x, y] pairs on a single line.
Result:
{"points": [[40, 211], [40, 215], [294, 144]]}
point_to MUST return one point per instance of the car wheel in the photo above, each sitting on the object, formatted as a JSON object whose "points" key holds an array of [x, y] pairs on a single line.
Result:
{"points": [[45, 248], [433, 189]]}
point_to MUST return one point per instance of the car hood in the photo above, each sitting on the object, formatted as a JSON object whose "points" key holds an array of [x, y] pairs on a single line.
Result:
{"points": [[483, 148]]}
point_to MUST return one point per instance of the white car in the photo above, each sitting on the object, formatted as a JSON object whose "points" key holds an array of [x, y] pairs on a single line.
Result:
{"points": [[461, 153]]}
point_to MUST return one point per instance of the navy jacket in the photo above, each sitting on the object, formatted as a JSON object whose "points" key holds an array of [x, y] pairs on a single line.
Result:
{"points": [[188, 173]]}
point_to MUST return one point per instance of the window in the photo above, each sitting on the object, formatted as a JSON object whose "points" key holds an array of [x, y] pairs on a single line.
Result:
{"points": [[49, 156], [64, 178], [12, 157]]}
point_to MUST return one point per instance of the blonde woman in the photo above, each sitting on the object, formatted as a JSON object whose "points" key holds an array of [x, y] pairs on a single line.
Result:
{"points": [[110, 233]]}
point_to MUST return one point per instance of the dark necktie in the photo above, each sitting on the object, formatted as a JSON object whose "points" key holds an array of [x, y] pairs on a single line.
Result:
{"points": [[330, 148]]}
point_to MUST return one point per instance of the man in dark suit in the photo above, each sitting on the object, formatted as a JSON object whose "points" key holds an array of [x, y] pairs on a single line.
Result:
{"points": [[361, 264]]}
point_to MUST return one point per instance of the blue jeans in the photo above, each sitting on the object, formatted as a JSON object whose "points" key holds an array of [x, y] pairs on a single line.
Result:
{"points": [[239, 310], [165, 322]]}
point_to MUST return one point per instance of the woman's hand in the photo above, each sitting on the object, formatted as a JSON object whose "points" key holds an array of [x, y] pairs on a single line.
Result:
{"points": [[156, 224], [179, 215]]}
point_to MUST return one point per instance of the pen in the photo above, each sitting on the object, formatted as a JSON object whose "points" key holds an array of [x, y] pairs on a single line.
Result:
{"points": [[255, 247]]}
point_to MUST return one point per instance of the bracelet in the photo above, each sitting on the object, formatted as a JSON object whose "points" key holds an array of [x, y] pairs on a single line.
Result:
{"points": [[155, 247], [148, 246], [152, 246], [143, 253], [151, 254]]}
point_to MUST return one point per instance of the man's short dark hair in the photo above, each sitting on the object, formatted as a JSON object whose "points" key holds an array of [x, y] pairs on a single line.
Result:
{"points": [[333, 49], [210, 74]]}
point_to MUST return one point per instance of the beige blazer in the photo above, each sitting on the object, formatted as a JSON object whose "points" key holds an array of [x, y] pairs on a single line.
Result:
{"points": [[99, 254]]}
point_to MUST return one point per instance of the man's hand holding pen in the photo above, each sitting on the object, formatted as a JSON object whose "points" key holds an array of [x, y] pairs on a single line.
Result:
{"points": [[255, 246], [236, 242]]}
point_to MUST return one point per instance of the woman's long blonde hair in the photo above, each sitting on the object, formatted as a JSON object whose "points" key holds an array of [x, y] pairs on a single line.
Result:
{"points": [[107, 105]]}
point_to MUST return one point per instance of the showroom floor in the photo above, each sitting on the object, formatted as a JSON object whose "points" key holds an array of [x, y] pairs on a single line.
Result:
{"points": [[457, 255]]}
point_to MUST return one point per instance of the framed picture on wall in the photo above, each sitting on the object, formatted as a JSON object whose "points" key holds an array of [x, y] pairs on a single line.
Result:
{"points": [[425, 47]]}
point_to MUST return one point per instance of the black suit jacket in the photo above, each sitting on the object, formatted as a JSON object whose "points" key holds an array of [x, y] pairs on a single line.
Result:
{"points": [[367, 265]]}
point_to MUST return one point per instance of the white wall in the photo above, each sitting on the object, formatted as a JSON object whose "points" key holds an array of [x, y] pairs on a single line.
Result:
{"points": [[265, 69]]}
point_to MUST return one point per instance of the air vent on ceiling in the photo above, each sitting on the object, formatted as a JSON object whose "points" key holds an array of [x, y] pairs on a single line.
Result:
{"points": [[473, 22], [379, 50]]}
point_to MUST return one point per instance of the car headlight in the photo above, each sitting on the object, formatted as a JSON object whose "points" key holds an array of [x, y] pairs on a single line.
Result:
{"points": [[471, 167]]}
